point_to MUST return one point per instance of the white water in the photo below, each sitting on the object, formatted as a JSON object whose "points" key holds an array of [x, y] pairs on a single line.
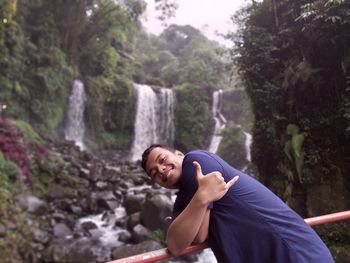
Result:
{"points": [[154, 119], [205, 256], [75, 127], [248, 142], [108, 232], [220, 121], [165, 116]]}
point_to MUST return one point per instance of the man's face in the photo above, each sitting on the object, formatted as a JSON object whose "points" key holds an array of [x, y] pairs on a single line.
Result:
{"points": [[164, 167]]}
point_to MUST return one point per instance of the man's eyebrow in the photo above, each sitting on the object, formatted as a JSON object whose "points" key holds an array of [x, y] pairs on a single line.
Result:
{"points": [[158, 157]]}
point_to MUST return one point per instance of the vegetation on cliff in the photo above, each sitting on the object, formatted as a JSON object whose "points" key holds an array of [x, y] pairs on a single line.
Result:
{"points": [[294, 59]]}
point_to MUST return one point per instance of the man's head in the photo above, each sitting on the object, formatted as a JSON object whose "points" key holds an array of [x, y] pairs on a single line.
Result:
{"points": [[163, 164]]}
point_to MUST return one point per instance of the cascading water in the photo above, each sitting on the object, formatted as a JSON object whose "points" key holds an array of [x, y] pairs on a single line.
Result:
{"points": [[220, 121], [248, 142], [165, 116], [75, 128], [154, 119]]}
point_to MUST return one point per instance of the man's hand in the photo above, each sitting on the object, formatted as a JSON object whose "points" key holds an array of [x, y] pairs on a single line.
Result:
{"points": [[212, 186]]}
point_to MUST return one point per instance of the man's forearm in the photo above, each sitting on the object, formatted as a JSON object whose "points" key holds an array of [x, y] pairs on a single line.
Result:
{"points": [[185, 227]]}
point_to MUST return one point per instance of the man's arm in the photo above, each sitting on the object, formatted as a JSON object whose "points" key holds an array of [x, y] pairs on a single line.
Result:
{"points": [[194, 219], [203, 229], [183, 230]]}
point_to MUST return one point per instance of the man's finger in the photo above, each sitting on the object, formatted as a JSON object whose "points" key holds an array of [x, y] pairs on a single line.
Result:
{"points": [[198, 169], [232, 181]]}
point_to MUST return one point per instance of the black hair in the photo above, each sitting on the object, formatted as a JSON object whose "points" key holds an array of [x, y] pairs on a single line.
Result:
{"points": [[148, 151]]}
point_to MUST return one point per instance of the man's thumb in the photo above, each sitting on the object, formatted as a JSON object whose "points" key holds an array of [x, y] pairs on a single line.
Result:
{"points": [[198, 169]]}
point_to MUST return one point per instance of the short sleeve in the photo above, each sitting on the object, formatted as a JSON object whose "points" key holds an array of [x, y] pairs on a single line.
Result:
{"points": [[188, 181]]}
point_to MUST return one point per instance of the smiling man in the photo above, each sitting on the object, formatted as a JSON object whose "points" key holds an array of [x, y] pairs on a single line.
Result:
{"points": [[242, 223]]}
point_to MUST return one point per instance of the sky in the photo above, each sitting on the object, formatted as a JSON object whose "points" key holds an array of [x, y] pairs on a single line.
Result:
{"points": [[208, 16]]}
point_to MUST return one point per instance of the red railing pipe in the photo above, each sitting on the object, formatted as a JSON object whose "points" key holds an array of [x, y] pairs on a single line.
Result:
{"points": [[319, 220], [163, 253]]}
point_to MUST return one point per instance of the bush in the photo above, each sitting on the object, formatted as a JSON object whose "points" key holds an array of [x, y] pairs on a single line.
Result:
{"points": [[28, 132]]}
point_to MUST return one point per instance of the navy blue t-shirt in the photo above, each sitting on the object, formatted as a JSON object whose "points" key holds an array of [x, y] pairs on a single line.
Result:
{"points": [[250, 224]]}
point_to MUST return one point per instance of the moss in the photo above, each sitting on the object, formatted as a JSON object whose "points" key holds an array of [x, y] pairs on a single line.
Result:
{"points": [[29, 133], [45, 171], [192, 117], [232, 147], [116, 141]]}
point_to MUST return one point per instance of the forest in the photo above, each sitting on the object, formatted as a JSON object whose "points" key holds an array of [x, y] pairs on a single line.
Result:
{"points": [[288, 70]]}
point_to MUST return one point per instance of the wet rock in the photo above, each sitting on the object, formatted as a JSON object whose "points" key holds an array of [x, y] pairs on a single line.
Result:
{"points": [[58, 191], [112, 174], [2, 231], [76, 210], [134, 203], [155, 210], [85, 173], [62, 230], [88, 225], [112, 204], [124, 237], [133, 220], [32, 204], [57, 254], [41, 236], [59, 216], [100, 185], [141, 233], [63, 204]]}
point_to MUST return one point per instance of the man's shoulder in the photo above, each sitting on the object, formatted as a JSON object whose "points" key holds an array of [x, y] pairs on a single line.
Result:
{"points": [[197, 153]]}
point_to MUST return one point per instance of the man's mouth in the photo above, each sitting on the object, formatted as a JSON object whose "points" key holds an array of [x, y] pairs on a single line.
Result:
{"points": [[167, 174]]}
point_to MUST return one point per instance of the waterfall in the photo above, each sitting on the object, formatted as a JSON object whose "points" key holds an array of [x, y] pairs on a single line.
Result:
{"points": [[220, 121], [248, 142], [165, 116], [154, 119], [74, 129]]}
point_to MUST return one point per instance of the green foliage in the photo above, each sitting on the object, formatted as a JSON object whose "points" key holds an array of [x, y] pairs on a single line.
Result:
{"points": [[160, 236], [293, 147], [167, 9], [7, 10], [232, 147], [181, 55], [192, 117], [110, 110], [135, 8], [293, 57], [103, 62], [28, 132], [115, 141], [44, 170], [8, 171], [50, 43], [236, 107], [5, 198]]}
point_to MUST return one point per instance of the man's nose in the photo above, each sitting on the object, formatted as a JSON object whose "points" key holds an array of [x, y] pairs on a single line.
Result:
{"points": [[161, 168]]}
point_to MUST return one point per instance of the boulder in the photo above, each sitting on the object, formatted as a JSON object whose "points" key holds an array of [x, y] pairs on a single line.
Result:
{"points": [[155, 210]]}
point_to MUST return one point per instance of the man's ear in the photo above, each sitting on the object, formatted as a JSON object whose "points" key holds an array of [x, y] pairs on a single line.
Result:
{"points": [[179, 153]]}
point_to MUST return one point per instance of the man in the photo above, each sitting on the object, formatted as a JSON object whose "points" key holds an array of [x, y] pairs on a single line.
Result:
{"points": [[245, 223]]}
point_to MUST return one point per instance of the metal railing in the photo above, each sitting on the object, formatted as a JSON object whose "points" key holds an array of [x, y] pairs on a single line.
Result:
{"points": [[162, 254]]}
